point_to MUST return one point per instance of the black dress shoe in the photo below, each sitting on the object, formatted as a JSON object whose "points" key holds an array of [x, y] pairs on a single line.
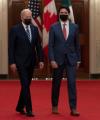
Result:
{"points": [[74, 113], [21, 111], [29, 114]]}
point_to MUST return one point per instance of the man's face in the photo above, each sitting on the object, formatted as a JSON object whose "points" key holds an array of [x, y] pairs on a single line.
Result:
{"points": [[63, 14], [26, 16], [63, 11]]}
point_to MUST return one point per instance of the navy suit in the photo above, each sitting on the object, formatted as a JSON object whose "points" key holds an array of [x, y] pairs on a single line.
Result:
{"points": [[22, 52], [66, 53]]}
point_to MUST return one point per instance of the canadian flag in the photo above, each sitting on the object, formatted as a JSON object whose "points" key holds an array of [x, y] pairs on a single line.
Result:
{"points": [[49, 17]]}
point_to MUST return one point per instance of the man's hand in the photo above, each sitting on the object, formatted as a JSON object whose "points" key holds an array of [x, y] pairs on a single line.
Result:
{"points": [[54, 64], [13, 68], [78, 64], [41, 65]]}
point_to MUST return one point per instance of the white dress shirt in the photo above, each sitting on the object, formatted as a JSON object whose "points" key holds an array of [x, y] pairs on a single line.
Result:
{"points": [[28, 28], [66, 26]]}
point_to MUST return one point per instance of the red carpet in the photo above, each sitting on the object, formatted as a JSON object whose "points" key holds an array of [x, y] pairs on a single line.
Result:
{"points": [[88, 101]]}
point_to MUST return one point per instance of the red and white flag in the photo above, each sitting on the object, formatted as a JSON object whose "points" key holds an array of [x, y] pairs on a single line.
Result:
{"points": [[49, 17]]}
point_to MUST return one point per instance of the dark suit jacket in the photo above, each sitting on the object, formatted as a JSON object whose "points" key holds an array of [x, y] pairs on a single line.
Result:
{"points": [[22, 52], [59, 47]]}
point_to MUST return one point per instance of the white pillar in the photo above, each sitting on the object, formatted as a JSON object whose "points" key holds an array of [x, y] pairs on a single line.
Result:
{"points": [[94, 36], [3, 37]]}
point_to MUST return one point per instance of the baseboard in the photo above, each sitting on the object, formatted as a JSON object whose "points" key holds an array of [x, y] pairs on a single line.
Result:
{"points": [[91, 76], [94, 76], [3, 76]]}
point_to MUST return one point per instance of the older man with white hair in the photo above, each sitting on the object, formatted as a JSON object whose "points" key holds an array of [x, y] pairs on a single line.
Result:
{"points": [[24, 44]]}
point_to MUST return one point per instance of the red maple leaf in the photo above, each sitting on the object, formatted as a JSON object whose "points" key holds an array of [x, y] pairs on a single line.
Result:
{"points": [[49, 20], [47, 2]]}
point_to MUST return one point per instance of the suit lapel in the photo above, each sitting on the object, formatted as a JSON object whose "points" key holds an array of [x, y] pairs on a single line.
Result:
{"points": [[32, 33], [60, 30], [23, 32], [70, 31]]}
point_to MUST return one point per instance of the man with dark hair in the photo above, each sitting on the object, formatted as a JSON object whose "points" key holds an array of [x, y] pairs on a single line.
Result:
{"points": [[24, 43], [64, 53]]}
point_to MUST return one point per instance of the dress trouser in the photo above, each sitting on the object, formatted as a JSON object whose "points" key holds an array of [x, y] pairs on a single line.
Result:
{"points": [[56, 82], [25, 75]]}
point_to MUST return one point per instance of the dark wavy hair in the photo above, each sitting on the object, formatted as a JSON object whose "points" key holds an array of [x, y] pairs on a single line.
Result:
{"points": [[64, 7]]}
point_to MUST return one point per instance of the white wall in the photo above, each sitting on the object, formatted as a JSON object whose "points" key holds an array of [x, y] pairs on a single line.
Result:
{"points": [[94, 36], [3, 37]]}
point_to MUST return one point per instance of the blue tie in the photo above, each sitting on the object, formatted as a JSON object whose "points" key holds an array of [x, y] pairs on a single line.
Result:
{"points": [[28, 33]]}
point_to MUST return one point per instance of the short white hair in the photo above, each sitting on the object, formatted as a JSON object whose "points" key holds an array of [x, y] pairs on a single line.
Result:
{"points": [[24, 11]]}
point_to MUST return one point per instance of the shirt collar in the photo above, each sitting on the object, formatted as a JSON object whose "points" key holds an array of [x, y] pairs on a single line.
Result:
{"points": [[25, 25], [67, 22]]}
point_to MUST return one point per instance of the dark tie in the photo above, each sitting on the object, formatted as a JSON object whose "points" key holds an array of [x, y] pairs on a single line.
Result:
{"points": [[28, 33], [64, 31]]}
